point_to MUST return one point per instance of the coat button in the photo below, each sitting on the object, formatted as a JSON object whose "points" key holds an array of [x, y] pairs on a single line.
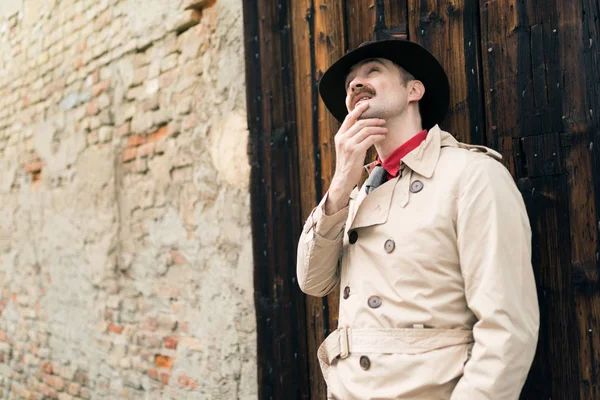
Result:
{"points": [[352, 237], [389, 246], [346, 292], [374, 301], [416, 186], [365, 363]]}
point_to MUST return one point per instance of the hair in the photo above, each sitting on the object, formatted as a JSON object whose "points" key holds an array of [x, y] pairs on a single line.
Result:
{"points": [[405, 76]]}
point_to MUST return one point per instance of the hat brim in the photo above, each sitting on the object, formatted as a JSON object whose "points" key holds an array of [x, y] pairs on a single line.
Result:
{"points": [[410, 56]]}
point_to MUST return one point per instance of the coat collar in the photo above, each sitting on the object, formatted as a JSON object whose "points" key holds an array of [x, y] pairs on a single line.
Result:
{"points": [[424, 158]]}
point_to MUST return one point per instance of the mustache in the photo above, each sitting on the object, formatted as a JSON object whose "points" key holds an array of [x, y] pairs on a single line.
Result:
{"points": [[365, 89]]}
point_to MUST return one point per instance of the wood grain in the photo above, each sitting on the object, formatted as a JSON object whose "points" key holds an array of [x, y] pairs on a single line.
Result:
{"points": [[309, 150], [524, 80], [449, 30], [281, 345]]}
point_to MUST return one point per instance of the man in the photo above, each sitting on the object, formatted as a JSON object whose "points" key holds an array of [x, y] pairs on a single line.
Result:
{"points": [[432, 254]]}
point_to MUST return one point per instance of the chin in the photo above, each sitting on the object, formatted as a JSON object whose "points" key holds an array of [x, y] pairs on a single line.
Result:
{"points": [[370, 113]]}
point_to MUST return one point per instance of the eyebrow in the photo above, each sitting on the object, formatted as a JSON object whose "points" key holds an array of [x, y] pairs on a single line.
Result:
{"points": [[363, 62]]}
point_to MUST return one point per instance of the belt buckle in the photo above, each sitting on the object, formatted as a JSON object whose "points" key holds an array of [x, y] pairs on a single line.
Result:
{"points": [[344, 345]]}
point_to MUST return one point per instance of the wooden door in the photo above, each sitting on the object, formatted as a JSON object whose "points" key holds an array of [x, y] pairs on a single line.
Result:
{"points": [[525, 80]]}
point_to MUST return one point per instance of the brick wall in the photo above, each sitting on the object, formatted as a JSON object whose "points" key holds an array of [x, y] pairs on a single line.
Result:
{"points": [[125, 246]]}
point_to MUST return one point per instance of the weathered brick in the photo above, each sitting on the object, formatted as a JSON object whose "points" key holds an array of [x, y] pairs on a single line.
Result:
{"points": [[146, 149], [105, 134], [159, 134], [169, 62], [162, 361], [184, 20], [100, 87], [140, 75], [153, 373], [171, 342], [166, 79], [189, 122], [115, 328], [92, 108], [164, 378], [74, 388], [186, 382], [34, 167], [129, 154], [197, 4], [151, 103], [103, 101], [47, 368], [136, 140], [184, 174], [123, 129]]}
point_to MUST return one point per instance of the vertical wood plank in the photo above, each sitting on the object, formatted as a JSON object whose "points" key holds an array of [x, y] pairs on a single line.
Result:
{"points": [[309, 165], [590, 27], [359, 21], [535, 85], [546, 198], [280, 311], [449, 30], [500, 34], [329, 46], [579, 93], [396, 13]]}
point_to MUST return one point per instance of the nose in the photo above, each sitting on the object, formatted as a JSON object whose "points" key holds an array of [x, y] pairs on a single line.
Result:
{"points": [[355, 85]]}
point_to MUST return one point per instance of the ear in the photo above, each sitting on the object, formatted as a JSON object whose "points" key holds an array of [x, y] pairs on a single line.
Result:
{"points": [[417, 91]]}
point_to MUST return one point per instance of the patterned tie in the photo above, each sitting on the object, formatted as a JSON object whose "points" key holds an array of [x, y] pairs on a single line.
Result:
{"points": [[376, 178]]}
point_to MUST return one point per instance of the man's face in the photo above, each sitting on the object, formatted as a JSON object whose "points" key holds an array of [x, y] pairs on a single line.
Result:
{"points": [[379, 82]]}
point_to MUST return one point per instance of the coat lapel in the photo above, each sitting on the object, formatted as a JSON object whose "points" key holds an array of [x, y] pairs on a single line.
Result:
{"points": [[374, 208]]}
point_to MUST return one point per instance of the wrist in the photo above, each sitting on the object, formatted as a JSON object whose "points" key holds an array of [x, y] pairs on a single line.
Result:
{"points": [[337, 198]]}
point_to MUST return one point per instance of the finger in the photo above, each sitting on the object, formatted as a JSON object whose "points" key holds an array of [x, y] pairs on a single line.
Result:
{"points": [[363, 133], [370, 141], [362, 124], [353, 115]]}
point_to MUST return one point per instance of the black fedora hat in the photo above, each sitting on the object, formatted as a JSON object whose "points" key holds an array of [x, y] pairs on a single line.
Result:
{"points": [[410, 56]]}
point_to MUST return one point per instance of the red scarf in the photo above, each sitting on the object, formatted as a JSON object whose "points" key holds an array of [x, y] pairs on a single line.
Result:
{"points": [[392, 162]]}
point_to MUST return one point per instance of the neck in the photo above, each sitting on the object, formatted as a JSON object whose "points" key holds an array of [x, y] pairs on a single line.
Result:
{"points": [[400, 130]]}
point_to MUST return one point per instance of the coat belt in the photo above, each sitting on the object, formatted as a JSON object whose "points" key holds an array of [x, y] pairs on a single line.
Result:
{"points": [[344, 341]]}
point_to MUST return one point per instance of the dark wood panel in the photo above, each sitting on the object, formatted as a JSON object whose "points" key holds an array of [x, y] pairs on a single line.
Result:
{"points": [[525, 80], [395, 13], [539, 155], [584, 264], [500, 34], [554, 373], [276, 224], [329, 46], [535, 89], [448, 29], [590, 74], [359, 21], [307, 141], [565, 52]]}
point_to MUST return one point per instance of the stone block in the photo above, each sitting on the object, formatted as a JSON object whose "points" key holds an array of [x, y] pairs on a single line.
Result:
{"points": [[161, 117], [197, 4], [169, 62], [103, 101], [140, 74], [105, 134], [185, 20]]}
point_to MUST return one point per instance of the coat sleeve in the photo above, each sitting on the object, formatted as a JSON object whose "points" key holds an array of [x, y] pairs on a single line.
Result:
{"points": [[319, 250], [494, 244]]}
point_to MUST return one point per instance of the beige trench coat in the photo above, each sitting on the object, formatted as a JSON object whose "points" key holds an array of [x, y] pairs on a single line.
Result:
{"points": [[438, 299]]}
